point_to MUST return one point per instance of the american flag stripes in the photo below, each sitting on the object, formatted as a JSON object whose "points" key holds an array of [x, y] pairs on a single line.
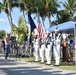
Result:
{"points": [[40, 29]]}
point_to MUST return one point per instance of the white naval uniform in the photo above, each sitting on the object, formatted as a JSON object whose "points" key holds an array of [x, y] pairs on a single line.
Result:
{"points": [[48, 50], [56, 48], [36, 49], [42, 50]]}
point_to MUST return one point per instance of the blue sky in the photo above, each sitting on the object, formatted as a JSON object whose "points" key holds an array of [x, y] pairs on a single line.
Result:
{"points": [[4, 24]]}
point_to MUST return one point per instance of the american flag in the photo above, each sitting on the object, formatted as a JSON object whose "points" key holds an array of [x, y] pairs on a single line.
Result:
{"points": [[40, 29]]}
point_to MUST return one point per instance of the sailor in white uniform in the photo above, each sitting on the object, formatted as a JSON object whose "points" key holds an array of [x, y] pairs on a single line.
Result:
{"points": [[48, 48], [36, 47], [56, 48], [42, 50]]}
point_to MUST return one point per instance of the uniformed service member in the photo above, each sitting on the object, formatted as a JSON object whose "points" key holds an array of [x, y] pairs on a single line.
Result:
{"points": [[42, 50], [56, 48], [48, 48], [36, 47]]}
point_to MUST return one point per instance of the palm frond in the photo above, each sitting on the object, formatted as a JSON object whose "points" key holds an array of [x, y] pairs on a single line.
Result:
{"points": [[14, 5]]}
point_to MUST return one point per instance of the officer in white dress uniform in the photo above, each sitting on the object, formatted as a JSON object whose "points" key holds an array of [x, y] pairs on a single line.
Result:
{"points": [[36, 47], [48, 48], [56, 48], [42, 50]]}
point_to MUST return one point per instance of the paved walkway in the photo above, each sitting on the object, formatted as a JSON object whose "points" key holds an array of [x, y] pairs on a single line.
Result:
{"points": [[14, 67]]}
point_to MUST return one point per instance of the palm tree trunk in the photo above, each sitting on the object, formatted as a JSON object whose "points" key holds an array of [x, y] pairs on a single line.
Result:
{"points": [[9, 20], [10, 16], [23, 13]]}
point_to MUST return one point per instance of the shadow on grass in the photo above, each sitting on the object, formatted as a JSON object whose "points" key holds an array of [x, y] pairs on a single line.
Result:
{"points": [[63, 65]]}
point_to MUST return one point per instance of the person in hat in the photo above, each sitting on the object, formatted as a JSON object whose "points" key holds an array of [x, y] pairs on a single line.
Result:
{"points": [[56, 48], [48, 48], [36, 47], [42, 50]]}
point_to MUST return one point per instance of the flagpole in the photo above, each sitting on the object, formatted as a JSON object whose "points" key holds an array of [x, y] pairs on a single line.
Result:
{"points": [[75, 43], [42, 20]]}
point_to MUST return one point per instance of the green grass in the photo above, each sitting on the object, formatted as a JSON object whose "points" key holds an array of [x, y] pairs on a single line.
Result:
{"points": [[67, 66], [75, 53], [63, 65]]}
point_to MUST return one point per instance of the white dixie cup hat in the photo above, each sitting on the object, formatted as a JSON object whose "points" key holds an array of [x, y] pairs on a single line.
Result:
{"points": [[47, 31], [56, 30]]}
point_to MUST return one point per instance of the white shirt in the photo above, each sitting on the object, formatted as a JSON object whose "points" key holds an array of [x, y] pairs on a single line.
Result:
{"points": [[36, 41]]}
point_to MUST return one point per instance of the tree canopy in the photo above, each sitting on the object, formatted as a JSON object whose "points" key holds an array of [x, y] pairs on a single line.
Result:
{"points": [[45, 8], [2, 34]]}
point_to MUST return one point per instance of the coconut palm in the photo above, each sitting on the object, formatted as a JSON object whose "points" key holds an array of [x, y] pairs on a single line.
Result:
{"points": [[6, 6], [51, 8], [24, 5], [21, 5], [68, 13], [70, 7], [21, 30], [47, 8], [62, 16]]}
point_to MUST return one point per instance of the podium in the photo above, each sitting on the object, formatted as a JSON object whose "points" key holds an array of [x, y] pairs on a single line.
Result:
{"points": [[65, 54]]}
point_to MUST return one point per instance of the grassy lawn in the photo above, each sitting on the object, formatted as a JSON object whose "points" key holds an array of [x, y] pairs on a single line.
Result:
{"points": [[63, 65]]}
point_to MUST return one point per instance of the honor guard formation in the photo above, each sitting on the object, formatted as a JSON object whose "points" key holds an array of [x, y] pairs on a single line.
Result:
{"points": [[53, 46]]}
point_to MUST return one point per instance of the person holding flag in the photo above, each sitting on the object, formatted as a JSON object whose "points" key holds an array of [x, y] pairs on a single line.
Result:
{"points": [[42, 40], [36, 39], [36, 47]]}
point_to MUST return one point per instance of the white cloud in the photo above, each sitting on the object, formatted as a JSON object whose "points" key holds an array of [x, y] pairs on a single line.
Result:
{"points": [[3, 20]]}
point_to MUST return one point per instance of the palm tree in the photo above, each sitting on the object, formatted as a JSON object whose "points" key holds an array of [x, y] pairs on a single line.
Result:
{"points": [[67, 14], [21, 5], [24, 5], [51, 9], [62, 16], [6, 6], [70, 7], [46, 8], [21, 30]]}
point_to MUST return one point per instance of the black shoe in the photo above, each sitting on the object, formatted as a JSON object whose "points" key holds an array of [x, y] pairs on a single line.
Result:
{"points": [[56, 65], [47, 64]]}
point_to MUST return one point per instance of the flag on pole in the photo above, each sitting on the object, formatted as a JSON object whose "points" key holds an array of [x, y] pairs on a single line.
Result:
{"points": [[31, 22], [40, 29], [32, 26]]}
